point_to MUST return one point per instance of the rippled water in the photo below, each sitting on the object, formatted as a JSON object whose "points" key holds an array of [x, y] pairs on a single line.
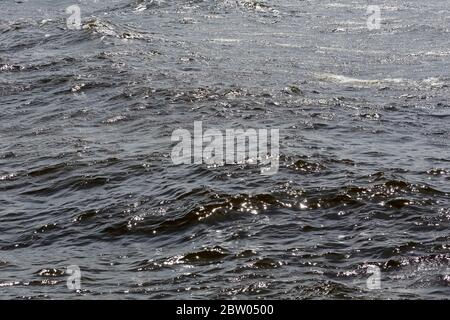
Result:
{"points": [[86, 176]]}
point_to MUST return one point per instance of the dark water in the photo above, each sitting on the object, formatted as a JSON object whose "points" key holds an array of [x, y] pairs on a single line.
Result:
{"points": [[86, 176]]}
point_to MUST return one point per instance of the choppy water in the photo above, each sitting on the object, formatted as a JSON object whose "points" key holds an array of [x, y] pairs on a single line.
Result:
{"points": [[85, 171]]}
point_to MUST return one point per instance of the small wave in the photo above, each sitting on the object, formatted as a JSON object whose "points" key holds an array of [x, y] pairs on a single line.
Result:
{"points": [[105, 28], [349, 80]]}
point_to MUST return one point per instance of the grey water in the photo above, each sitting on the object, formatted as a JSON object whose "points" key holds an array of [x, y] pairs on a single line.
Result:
{"points": [[87, 180]]}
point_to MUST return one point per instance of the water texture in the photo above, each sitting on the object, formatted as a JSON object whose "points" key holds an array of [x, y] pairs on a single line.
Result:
{"points": [[86, 176]]}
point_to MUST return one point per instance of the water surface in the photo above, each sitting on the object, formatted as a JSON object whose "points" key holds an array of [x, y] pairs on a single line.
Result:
{"points": [[86, 176]]}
